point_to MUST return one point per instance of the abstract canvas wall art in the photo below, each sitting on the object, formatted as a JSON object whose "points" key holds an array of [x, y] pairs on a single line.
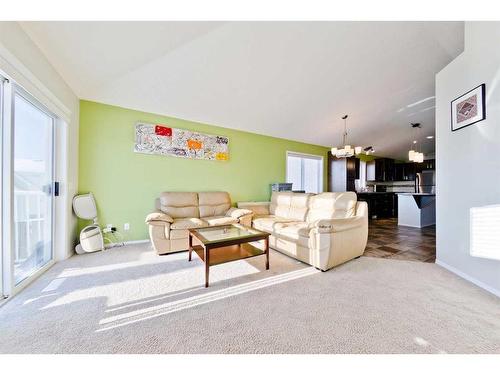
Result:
{"points": [[468, 108], [164, 140]]}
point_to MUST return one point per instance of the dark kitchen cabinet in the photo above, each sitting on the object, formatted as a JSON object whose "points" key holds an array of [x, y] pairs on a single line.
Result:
{"points": [[352, 166], [399, 172], [380, 170], [389, 169], [342, 172], [409, 172], [380, 205], [427, 164], [404, 171]]}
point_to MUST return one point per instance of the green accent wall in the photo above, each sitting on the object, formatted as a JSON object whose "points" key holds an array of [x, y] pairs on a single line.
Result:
{"points": [[125, 184], [365, 158]]}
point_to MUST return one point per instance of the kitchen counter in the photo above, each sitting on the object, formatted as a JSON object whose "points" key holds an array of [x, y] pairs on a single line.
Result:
{"points": [[421, 194], [374, 192], [416, 209], [380, 203]]}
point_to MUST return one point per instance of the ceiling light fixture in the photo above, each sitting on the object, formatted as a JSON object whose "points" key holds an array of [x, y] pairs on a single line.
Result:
{"points": [[346, 151], [413, 154], [369, 150]]}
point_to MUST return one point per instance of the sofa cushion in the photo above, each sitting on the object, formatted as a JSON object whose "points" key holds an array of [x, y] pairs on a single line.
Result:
{"points": [[293, 229], [177, 234], [290, 205], [214, 203], [280, 203], [332, 206], [188, 223], [179, 204], [268, 223], [297, 232], [219, 220]]}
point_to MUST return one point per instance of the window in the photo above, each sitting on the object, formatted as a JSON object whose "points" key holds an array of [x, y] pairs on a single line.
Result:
{"points": [[484, 233], [305, 172]]}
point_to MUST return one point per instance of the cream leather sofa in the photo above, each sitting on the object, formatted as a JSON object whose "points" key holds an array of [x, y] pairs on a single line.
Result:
{"points": [[323, 230], [176, 212]]}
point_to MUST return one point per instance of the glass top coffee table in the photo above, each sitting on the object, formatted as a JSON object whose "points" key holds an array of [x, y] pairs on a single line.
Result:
{"points": [[226, 243]]}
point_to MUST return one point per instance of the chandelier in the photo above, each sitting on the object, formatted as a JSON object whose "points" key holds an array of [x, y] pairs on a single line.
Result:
{"points": [[346, 150], [413, 154]]}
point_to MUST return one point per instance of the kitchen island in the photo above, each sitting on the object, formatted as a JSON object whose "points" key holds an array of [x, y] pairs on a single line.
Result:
{"points": [[416, 209], [380, 204]]}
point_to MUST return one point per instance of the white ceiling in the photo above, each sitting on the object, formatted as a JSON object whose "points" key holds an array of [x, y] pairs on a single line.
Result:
{"points": [[287, 79]]}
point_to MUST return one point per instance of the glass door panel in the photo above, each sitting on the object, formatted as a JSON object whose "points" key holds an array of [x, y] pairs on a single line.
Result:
{"points": [[32, 183], [2, 260]]}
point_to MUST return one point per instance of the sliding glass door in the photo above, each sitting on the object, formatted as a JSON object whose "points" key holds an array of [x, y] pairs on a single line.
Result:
{"points": [[27, 187], [2, 260], [33, 181]]}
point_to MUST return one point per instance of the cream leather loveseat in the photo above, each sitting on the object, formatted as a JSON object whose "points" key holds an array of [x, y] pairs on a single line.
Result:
{"points": [[176, 212], [323, 230]]}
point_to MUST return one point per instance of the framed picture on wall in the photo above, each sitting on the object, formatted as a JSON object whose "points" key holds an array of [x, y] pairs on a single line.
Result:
{"points": [[468, 108]]}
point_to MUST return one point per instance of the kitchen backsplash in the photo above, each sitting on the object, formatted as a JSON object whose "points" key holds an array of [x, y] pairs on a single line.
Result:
{"points": [[394, 186]]}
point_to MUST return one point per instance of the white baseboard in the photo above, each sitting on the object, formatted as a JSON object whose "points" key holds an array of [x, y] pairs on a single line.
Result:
{"points": [[408, 225], [135, 242], [468, 278]]}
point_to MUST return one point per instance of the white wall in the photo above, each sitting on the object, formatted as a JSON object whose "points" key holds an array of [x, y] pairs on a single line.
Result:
{"points": [[23, 62], [468, 160]]}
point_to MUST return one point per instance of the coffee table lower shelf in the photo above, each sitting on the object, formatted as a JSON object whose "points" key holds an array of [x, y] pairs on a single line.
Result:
{"points": [[226, 254]]}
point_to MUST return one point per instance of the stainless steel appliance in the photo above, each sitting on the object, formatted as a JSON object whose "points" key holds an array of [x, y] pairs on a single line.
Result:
{"points": [[425, 182]]}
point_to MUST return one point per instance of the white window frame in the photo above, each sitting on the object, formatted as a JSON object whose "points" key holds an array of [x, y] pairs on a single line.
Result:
{"points": [[307, 156]]}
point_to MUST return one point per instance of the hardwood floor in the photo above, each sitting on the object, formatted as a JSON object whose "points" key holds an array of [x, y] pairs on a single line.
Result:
{"points": [[388, 240]]}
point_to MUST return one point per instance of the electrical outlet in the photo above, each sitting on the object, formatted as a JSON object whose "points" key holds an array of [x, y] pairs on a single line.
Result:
{"points": [[126, 226]]}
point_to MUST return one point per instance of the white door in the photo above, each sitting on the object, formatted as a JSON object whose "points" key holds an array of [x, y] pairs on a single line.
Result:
{"points": [[33, 180], [2, 264], [28, 188]]}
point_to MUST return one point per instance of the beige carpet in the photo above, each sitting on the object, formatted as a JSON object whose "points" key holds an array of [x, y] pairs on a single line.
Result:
{"points": [[129, 300]]}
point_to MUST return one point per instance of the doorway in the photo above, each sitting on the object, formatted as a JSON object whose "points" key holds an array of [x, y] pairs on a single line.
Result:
{"points": [[28, 187]]}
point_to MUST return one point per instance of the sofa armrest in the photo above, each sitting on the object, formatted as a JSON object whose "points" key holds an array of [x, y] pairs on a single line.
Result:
{"points": [[158, 218], [257, 208], [246, 220], [236, 213], [338, 225]]}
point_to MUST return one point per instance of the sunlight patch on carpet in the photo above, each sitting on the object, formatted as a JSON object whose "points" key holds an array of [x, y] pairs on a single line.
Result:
{"points": [[171, 307]]}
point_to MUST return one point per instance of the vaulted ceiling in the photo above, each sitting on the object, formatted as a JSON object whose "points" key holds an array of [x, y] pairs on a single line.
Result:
{"points": [[292, 80]]}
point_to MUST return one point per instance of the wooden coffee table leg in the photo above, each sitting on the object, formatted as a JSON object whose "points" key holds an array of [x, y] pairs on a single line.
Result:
{"points": [[190, 245], [266, 242], [207, 265]]}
